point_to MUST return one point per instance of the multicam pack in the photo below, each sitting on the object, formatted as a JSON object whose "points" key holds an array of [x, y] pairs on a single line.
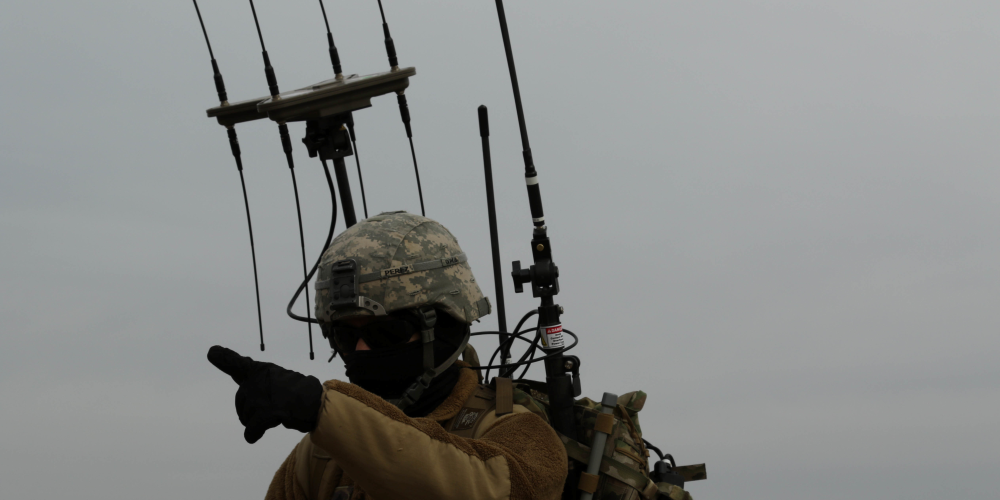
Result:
{"points": [[624, 472]]}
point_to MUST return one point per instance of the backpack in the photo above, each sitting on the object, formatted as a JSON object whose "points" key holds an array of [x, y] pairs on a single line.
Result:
{"points": [[625, 467]]}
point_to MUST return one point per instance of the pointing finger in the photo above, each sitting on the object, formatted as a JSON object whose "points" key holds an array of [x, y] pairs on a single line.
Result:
{"points": [[229, 362]]}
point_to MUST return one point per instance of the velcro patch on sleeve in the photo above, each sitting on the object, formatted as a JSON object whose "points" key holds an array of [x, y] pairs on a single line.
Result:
{"points": [[466, 419]]}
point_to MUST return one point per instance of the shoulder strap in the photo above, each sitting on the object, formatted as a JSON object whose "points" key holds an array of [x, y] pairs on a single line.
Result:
{"points": [[505, 396]]}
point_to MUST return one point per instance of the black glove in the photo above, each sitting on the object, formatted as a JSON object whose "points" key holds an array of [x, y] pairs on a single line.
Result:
{"points": [[269, 394]]}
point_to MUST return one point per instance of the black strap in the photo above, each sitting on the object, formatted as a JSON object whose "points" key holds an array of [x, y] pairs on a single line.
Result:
{"points": [[424, 381]]}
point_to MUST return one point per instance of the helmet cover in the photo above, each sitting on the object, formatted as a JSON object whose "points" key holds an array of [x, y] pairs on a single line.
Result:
{"points": [[402, 261]]}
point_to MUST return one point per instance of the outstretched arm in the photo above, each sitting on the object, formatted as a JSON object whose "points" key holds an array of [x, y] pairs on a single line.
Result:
{"points": [[390, 455]]}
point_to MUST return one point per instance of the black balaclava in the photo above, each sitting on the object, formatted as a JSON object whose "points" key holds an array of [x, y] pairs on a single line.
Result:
{"points": [[387, 372]]}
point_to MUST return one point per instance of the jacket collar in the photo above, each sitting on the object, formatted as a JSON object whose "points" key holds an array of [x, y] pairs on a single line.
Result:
{"points": [[468, 381]]}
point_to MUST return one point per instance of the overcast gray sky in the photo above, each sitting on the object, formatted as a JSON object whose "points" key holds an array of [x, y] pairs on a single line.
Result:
{"points": [[778, 218]]}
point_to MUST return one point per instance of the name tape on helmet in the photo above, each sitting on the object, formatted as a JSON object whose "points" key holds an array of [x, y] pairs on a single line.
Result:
{"points": [[395, 271], [392, 272], [401, 270]]}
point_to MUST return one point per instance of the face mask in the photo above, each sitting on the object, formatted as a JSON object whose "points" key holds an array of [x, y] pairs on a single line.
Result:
{"points": [[398, 362], [389, 371]]}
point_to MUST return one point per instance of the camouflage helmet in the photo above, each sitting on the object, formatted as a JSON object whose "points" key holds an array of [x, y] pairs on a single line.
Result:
{"points": [[395, 261]]}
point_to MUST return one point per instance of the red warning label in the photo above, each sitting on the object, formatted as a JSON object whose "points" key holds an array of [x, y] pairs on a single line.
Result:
{"points": [[553, 338]]}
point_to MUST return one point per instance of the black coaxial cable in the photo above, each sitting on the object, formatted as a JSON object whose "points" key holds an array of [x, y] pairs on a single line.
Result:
{"points": [[329, 238]]}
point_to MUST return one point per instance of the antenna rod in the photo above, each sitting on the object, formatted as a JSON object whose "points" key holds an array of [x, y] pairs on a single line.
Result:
{"points": [[334, 56], [530, 175], [272, 82], [357, 161], [513, 77], [416, 171], [220, 86], [390, 47], [335, 60], [234, 146], [253, 252], [286, 146], [484, 132], [544, 279], [404, 110]]}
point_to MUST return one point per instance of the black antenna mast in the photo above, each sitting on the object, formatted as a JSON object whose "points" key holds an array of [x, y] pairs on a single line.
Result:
{"points": [[491, 208], [234, 145], [543, 276], [286, 146], [404, 110]]}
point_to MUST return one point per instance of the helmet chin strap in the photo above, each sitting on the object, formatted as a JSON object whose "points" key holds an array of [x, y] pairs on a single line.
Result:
{"points": [[428, 318]]}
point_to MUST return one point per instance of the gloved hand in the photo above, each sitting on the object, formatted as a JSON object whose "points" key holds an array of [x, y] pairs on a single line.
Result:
{"points": [[269, 394]]}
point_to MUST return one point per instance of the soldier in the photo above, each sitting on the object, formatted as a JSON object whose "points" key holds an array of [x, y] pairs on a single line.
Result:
{"points": [[395, 297]]}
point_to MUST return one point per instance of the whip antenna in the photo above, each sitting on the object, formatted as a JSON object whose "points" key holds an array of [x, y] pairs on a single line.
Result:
{"points": [[491, 208], [390, 47], [339, 76], [357, 161], [220, 86], [404, 110], [234, 145], [253, 252], [272, 82], [543, 276], [334, 56], [530, 175], [286, 146]]}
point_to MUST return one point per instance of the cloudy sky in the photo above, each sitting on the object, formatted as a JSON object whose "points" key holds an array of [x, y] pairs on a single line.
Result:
{"points": [[778, 218]]}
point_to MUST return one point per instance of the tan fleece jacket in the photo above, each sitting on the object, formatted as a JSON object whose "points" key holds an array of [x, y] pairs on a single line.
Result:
{"points": [[362, 441]]}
